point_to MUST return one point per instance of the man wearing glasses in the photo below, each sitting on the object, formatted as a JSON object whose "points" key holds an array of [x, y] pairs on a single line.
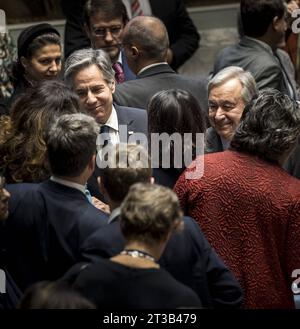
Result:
{"points": [[104, 23]]}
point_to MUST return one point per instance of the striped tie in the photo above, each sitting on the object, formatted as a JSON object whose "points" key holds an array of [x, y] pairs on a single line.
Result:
{"points": [[136, 9]]}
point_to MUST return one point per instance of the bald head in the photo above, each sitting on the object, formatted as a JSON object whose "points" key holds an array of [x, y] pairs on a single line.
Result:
{"points": [[149, 34]]}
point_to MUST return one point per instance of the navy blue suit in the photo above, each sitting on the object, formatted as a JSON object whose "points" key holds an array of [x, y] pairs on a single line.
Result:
{"points": [[46, 229], [188, 257], [136, 121]]}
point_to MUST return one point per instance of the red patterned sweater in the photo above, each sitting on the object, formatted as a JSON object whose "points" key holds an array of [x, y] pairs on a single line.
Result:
{"points": [[249, 211]]}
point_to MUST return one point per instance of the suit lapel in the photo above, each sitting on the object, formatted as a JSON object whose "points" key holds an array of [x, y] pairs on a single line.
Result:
{"points": [[124, 120]]}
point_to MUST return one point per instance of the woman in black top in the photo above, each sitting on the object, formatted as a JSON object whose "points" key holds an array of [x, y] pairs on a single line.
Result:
{"points": [[133, 279], [39, 57]]}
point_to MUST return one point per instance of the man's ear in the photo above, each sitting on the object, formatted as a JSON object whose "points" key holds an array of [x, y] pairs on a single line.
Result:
{"points": [[101, 186], [92, 162], [134, 52], [276, 23], [112, 86], [87, 30], [152, 180]]}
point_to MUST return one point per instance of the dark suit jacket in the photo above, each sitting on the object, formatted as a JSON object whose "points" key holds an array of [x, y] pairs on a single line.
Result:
{"points": [[188, 257], [46, 229], [137, 93], [257, 59], [183, 35], [136, 121], [213, 141]]}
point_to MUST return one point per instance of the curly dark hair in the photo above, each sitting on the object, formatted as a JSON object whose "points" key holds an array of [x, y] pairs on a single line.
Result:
{"points": [[269, 127], [22, 151]]}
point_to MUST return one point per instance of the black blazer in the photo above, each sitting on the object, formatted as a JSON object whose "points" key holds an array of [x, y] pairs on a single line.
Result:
{"points": [[266, 67], [136, 121], [137, 93], [188, 257], [46, 229], [183, 35]]}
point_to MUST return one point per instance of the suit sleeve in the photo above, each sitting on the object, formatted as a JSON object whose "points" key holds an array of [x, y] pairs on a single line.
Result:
{"points": [[187, 40]]}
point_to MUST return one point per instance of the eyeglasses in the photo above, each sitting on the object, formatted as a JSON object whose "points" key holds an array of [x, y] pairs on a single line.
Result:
{"points": [[113, 30]]}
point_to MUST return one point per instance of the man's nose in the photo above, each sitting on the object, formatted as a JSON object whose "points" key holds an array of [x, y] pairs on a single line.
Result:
{"points": [[5, 195], [91, 98], [108, 36]]}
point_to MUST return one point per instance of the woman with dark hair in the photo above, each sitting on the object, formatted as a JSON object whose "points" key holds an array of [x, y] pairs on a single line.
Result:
{"points": [[248, 206], [176, 112], [39, 57], [22, 145], [133, 279]]}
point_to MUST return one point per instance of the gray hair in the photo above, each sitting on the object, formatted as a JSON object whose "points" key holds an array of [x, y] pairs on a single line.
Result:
{"points": [[269, 127], [149, 34], [84, 58], [149, 212], [234, 72], [71, 142]]}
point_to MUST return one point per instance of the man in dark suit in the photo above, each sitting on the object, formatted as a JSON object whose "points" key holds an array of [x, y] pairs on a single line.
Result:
{"points": [[49, 222], [146, 43], [91, 76], [188, 256], [264, 27], [184, 37], [229, 91]]}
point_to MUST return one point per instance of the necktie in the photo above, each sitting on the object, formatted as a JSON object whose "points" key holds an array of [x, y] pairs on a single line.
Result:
{"points": [[88, 195], [136, 9], [119, 73], [104, 132]]}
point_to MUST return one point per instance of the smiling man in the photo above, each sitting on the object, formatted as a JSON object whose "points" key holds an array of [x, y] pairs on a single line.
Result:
{"points": [[228, 94], [89, 73]]}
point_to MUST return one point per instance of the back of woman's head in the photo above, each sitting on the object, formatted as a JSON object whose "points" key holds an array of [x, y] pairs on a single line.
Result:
{"points": [[49, 100], [149, 213], [31, 114], [53, 295], [175, 110]]}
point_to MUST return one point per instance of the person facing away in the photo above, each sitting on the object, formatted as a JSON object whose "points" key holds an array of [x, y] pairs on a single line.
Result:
{"points": [[248, 206], [146, 44], [188, 257], [133, 279], [49, 222]]}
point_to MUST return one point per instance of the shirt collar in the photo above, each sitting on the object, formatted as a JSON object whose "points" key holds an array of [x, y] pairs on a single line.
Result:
{"points": [[115, 213], [149, 66], [112, 121], [64, 182], [120, 60]]}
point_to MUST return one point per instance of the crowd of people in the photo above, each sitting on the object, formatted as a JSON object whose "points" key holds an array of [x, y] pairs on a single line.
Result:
{"points": [[126, 185]]}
